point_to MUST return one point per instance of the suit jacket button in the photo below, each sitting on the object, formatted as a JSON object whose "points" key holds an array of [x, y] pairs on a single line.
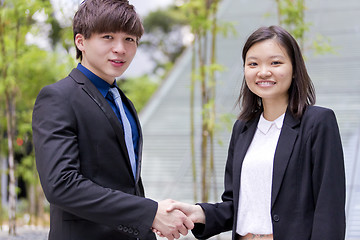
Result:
{"points": [[276, 218], [136, 232]]}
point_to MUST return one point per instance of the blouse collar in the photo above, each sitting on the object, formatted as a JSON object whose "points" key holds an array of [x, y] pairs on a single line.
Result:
{"points": [[265, 125]]}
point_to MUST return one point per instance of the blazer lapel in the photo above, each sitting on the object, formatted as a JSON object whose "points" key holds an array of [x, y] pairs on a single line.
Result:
{"points": [[242, 145], [283, 152], [96, 96]]}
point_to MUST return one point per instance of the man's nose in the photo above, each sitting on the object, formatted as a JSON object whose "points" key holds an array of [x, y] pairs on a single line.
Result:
{"points": [[119, 47]]}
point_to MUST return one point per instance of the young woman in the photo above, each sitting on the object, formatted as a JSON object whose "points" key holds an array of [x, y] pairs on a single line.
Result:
{"points": [[284, 175]]}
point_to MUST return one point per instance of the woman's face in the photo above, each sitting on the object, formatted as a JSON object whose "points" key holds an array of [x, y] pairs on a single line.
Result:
{"points": [[268, 71]]}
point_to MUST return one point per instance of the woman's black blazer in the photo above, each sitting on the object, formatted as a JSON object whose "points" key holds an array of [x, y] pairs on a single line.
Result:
{"points": [[308, 189]]}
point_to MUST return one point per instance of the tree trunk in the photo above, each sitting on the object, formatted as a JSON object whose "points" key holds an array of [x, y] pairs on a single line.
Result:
{"points": [[192, 120], [278, 3], [212, 118], [40, 206], [10, 117], [32, 204], [302, 16], [204, 122], [1, 173]]}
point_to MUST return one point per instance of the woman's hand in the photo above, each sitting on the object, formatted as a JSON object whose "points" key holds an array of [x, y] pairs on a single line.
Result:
{"points": [[194, 212]]}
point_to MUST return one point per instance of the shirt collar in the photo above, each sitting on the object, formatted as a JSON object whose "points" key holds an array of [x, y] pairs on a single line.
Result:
{"points": [[99, 83], [265, 125]]}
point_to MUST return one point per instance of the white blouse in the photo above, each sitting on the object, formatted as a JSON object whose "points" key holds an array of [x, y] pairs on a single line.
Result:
{"points": [[256, 179]]}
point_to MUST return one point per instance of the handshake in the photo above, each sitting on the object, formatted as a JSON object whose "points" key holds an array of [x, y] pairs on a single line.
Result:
{"points": [[174, 218]]}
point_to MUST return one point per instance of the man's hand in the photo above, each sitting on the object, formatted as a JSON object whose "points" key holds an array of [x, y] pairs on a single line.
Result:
{"points": [[171, 223]]}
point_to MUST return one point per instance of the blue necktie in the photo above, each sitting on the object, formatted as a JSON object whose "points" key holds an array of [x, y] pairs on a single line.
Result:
{"points": [[127, 128]]}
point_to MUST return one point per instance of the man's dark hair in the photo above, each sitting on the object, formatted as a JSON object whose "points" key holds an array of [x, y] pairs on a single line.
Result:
{"points": [[106, 16]]}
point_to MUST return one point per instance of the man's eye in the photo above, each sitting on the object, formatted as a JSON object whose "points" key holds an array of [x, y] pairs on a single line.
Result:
{"points": [[107, 37], [130, 39]]}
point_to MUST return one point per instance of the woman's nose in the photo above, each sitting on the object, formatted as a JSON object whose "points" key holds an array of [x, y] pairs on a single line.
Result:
{"points": [[264, 72]]}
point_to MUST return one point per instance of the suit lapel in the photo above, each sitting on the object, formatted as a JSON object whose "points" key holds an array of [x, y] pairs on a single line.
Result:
{"points": [[283, 152], [242, 145], [96, 96]]}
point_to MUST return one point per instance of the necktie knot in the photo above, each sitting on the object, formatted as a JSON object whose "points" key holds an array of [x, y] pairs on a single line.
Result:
{"points": [[114, 92]]}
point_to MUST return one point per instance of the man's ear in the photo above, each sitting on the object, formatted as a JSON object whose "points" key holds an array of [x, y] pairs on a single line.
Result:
{"points": [[79, 41]]}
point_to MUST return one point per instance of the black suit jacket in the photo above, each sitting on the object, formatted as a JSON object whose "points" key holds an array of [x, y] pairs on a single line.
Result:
{"points": [[308, 189], [84, 167]]}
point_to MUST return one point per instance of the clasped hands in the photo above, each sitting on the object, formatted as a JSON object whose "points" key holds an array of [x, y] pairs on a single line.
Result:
{"points": [[174, 218]]}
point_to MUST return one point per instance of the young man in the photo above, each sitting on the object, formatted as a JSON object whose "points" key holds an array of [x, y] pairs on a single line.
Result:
{"points": [[88, 142]]}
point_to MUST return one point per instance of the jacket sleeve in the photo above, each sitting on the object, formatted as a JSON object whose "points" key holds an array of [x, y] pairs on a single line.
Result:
{"points": [[328, 178], [219, 216], [57, 157]]}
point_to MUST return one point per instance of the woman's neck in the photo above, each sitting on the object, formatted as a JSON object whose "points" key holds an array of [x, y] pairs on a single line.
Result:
{"points": [[273, 110]]}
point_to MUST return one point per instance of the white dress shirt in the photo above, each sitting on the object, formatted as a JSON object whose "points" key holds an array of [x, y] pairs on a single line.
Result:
{"points": [[256, 179]]}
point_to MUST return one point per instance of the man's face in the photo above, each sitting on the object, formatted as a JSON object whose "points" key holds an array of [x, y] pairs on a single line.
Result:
{"points": [[107, 55]]}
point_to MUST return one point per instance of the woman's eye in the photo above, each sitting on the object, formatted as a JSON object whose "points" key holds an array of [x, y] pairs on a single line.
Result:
{"points": [[276, 63], [253, 64]]}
